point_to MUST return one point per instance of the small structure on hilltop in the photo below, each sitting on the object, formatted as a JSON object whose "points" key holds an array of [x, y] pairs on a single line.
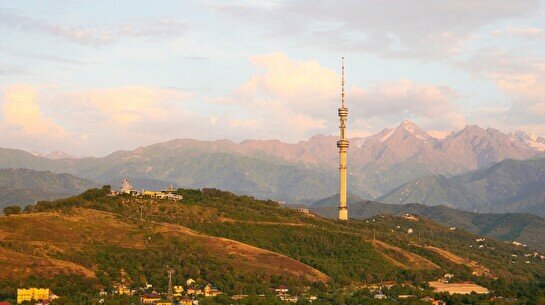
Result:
{"points": [[211, 291], [126, 188], [281, 290], [186, 301], [150, 298], [178, 290], [35, 294], [303, 210], [190, 282]]}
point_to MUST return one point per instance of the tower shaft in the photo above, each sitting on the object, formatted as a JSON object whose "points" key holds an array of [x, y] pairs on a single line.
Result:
{"points": [[342, 144]]}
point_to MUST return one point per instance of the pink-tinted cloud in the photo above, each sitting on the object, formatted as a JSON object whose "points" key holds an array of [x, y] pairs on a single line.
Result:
{"points": [[22, 114]]}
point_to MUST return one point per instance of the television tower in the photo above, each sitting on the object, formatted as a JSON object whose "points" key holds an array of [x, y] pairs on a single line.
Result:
{"points": [[342, 144]]}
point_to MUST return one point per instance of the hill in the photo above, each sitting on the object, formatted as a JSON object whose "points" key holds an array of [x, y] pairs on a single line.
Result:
{"points": [[23, 186], [240, 244], [524, 228], [297, 172], [508, 186]]}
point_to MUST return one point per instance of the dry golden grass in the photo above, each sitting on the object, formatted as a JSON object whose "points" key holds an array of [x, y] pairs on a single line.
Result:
{"points": [[478, 269], [461, 288], [34, 237], [403, 258]]}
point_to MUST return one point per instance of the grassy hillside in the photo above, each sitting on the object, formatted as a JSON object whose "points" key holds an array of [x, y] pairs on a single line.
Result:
{"points": [[509, 186], [23, 186], [240, 244], [525, 228]]}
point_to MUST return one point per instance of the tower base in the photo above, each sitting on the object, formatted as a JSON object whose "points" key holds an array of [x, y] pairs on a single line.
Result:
{"points": [[343, 213]]}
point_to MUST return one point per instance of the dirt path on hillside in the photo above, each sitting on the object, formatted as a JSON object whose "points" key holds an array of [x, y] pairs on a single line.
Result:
{"points": [[403, 258], [477, 269]]}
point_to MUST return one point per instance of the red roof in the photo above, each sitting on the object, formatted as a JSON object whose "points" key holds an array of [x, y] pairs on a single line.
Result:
{"points": [[5, 303], [151, 296]]}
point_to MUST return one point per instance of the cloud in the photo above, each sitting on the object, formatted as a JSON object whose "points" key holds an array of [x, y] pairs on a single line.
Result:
{"points": [[140, 28], [22, 114], [127, 104], [404, 97], [285, 98], [293, 99], [425, 28], [520, 76], [9, 69], [521, 32]]}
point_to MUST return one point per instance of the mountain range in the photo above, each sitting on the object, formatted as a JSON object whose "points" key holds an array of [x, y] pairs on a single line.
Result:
{"points": [[23, 186], [297, 172], [508, 186]]}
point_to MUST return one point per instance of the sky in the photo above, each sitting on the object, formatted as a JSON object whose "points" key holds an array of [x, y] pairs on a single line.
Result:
{"points": [[92, 77]]}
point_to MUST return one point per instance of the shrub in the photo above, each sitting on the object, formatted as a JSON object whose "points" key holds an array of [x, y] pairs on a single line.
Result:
{"points": [[14, 209]]}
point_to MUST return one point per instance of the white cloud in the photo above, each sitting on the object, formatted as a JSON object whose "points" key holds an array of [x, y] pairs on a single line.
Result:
{"points": [[425, 28], [94, 36], [520, 76]]}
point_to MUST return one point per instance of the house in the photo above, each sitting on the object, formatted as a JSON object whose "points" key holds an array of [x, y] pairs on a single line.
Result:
{"points": [[36, 294], [190, 282], [282, 289], [289, 298], [5, 303], [150, 298], [433, 301], [186, 301], [178, 290], [410, 217], [122, 289], [379, 296], [211, 291], [191, 291], [303, 210]]}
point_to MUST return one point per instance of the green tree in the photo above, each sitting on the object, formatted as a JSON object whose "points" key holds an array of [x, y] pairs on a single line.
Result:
{"points": [[14, 209]]}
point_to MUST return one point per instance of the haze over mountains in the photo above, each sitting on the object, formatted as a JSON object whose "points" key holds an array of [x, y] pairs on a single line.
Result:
{"points": [[508, 186], [23, 186], [300, 172]]}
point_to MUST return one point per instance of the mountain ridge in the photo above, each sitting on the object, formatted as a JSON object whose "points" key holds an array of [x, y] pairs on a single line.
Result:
{"points": [[508, 186], [377, 164]]}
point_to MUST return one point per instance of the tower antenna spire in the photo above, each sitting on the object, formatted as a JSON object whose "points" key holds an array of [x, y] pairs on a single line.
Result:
{"points": [[342, 84], [342, 144]]}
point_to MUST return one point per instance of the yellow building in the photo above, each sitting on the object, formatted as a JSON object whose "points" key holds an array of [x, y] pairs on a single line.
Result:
{"points": [[186, 301], [122, 289], [32, 294], [210, 291], [178, 290]]}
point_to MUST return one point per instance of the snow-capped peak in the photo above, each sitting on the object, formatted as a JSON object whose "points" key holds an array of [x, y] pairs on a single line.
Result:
{"points": [[532, 140]]}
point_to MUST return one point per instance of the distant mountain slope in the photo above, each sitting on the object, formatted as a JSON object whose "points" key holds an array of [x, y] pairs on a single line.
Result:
{"points": [[297, 172], [509, 186], [23, 186], [525, 228]]}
